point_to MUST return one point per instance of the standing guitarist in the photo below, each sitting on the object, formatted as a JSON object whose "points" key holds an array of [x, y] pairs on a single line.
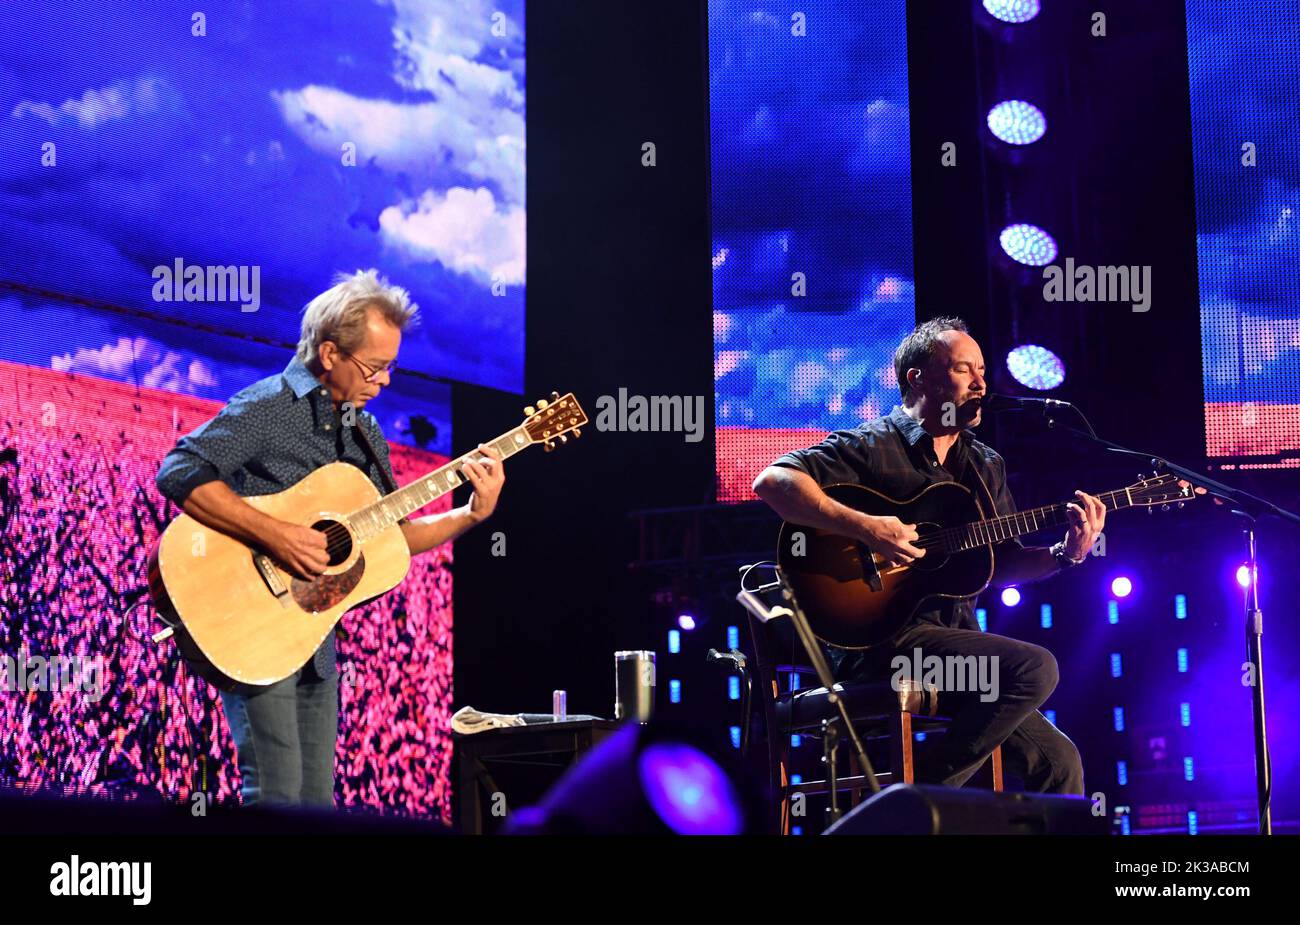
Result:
{"points": [[941, 376], [270, 436]]}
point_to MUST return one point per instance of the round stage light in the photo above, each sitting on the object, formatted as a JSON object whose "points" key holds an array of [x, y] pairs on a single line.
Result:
{"points": [[1028, 244], [1010, 597], [1121, 587], [686, 622], [1243, 576], [1013, 11], [1017, 122], [689, 791], [1035, 367]]}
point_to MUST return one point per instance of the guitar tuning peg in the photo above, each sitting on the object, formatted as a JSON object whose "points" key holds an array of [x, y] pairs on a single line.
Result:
{"points": [[564, 438], [542, 403], [1151, 510], [555, 396], [548, 446], [530, 411], [577, 432], [1164, 507], [1181, 505]]}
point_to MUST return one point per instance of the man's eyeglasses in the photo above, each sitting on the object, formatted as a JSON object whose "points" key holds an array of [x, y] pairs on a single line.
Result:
{"points": [[372, 374]]}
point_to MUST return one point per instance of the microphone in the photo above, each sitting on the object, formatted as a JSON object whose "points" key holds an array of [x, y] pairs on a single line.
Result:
{"points": [[995, 404]]}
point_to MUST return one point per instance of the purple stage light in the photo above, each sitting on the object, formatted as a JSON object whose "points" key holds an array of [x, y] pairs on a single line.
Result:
{"points": [[1017, 122], [1243, 576], [689, 791], [686, 622], [1012, 11], [1121, 587], [1010, 597], [1035, 367], [1028, 244]]}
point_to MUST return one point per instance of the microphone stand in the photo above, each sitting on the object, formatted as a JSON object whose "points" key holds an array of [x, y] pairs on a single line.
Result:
{"points": [[751, 602], [1250, 508]]}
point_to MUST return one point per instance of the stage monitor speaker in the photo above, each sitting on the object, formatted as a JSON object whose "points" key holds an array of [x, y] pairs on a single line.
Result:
{"points": [[910, 809]]}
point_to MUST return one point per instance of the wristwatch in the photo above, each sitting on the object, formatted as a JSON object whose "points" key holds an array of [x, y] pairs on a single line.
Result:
{"points": [[1062, 560]]}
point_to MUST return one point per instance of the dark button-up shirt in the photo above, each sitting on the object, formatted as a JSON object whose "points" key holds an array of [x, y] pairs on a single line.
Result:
{"points": [[269, 437], [894, 455]]}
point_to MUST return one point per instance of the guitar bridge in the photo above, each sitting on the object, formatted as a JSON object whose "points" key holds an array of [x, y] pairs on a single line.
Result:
{"points": [[271, 575], [870, 573]]}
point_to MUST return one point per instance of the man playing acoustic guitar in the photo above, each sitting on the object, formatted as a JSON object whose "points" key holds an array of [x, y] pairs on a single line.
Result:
{"points": [[925, 440], [269, 437]]}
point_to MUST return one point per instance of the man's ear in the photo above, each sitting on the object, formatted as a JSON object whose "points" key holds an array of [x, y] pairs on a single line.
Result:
{"points": [[914, 380], [326, 354]]}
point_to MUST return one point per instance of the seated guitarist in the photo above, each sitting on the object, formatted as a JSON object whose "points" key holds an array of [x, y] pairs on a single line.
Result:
{"points": [[941, 376], [270, 436]]}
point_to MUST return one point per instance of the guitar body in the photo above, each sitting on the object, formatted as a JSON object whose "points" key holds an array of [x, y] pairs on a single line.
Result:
{"points": [[241, 625], [851, 598]]}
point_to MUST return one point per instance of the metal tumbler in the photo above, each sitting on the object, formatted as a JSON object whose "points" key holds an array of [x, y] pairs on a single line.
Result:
{"points": [[634, 685]]}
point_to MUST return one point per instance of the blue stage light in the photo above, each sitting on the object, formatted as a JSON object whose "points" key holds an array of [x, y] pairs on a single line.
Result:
{"points": [[733, 637], [1012, 11], [1121, 586], [982, 618], [735, 736], [733, 688], [1119, 719], [1243, 576], [1112, 611], [1116, 665], [1028, 244], [1191, 822], [1035, 367], [1010, 597], [686, 622], [1185, 714], [1017, 122], [1180, 606], [1050, 716], [674, 641], [675, 691], [1125, 827], [1189, 771], [1121, 772], [1045, 616], [689, 791], [1182, 660]]}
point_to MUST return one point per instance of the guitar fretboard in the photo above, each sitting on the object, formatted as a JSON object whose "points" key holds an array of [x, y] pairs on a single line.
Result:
{"points": [[388, 510], [1010, 526]]}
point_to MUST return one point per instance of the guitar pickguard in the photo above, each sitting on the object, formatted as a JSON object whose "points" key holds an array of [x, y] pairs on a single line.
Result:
{"points": [[324, 591]]}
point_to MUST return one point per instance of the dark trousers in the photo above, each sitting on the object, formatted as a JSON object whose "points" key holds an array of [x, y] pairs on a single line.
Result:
{"points": [[285, 735], [1032, 748]]}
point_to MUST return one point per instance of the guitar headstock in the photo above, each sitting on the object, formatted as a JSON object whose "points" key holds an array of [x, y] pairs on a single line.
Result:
{"points": [[1160, 489], [554, 418]]}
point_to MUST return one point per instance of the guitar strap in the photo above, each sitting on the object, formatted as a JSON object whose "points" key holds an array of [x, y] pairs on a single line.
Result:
{"points": [[360, 433]]}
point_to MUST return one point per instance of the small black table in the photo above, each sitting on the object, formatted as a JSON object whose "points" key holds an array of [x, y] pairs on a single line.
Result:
{"points": [[547, 748]]}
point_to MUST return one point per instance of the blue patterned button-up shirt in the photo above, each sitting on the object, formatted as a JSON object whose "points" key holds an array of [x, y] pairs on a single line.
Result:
{"points": [[269, 437]]}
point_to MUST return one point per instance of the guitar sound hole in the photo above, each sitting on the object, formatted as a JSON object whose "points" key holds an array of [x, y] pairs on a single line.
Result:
{"points": [[926, 538], [337, 538]]}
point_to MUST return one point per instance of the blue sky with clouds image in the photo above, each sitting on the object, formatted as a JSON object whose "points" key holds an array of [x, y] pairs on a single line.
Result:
{"points": [[1244, 56], [229, 149], [811, 174]]}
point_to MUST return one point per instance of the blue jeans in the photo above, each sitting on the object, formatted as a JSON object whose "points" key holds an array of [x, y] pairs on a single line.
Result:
{"points": [[1032, 748], [285, 736]]}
